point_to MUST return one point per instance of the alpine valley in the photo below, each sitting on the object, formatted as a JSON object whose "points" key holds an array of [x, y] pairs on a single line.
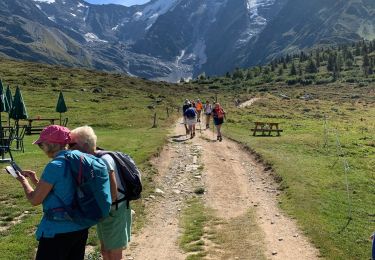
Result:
{"points": [[173, 39]]}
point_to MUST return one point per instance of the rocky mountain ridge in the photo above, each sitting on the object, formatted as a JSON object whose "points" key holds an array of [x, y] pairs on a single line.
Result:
{"points": [[173, 39]]}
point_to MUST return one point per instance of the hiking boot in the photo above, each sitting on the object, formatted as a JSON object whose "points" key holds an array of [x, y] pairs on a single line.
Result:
{"points": [[193, 133], [191, 136], [207, 126], [220, 139]]}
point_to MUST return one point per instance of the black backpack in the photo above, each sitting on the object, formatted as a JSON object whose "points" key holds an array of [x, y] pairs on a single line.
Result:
{"points": [[129, 174]]}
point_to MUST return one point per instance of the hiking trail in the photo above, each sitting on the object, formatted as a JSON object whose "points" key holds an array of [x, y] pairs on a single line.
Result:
{"points": [[235, 184]]}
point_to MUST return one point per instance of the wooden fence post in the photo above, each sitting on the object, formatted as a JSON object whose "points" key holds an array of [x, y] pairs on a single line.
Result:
{"points": [[154, 125]]}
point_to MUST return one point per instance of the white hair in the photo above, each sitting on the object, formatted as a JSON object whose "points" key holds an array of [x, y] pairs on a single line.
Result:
{"points": [[86, 135]]}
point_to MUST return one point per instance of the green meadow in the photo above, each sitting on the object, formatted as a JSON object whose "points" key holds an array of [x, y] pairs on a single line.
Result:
{"points": [[324, 161], [332, 204]]}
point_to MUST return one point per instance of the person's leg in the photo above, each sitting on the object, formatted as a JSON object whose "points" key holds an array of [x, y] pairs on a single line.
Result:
{"points": [[207, 121], [114, 232], [115, 254], [78, 240], [218, 127], [51, 248], [103, 251], [193, 129], [63, 246]]}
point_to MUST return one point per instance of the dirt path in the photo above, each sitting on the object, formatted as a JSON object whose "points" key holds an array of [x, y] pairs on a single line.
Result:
{"points": [[234, 186]]}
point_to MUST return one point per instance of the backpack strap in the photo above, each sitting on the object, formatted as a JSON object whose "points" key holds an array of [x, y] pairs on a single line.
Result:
{"points": [[50, 213]]}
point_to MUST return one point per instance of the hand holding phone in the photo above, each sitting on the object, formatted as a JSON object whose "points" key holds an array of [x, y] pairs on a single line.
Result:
{"points": [[11, 171], [15, 166]]}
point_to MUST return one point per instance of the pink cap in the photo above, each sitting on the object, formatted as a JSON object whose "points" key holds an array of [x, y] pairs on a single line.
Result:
{"points": [[54, 134]]}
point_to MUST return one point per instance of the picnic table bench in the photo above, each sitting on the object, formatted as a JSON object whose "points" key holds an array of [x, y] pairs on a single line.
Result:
{"points": [[42, 123], [266, 128]]}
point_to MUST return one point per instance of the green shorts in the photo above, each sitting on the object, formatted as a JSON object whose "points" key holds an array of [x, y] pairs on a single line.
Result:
{"points": [[115, 231]]}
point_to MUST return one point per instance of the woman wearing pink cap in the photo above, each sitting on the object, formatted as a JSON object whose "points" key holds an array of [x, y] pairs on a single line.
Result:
{"points": [[58, 238]]}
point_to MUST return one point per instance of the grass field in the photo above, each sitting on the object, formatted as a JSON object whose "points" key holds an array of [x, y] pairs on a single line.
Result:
{"points": [[319, 137]]}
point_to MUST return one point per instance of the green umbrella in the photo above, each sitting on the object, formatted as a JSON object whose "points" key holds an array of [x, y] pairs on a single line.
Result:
{"points": [[18, 110], [10, 102], [3, 102], [61, 106], [3, 105]]}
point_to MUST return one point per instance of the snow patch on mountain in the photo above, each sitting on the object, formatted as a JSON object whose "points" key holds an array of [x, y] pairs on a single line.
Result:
{"points": [[257, 22], [45, 1], [91, 37], [159, 6], [153, 10]]}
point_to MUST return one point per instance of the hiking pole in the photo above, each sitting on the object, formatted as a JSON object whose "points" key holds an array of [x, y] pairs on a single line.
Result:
{"points": [[200, 127], [213, 129]]}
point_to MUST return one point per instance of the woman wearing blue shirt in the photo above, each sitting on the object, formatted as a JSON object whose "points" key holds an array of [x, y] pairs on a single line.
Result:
{"points": [[58, 239]]}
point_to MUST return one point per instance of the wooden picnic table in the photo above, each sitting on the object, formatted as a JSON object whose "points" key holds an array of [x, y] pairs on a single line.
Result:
{"points": [[266, 127], [31, 128]]}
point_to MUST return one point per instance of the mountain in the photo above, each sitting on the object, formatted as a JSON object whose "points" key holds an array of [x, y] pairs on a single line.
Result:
{"points": [[173, 39], [304, 24]]}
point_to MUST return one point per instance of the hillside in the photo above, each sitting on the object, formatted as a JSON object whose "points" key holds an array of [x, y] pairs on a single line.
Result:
{"points": [[352, 64]]}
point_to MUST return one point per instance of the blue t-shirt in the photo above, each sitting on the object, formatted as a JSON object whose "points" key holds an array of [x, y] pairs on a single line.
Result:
{"points": [[63, 186]]}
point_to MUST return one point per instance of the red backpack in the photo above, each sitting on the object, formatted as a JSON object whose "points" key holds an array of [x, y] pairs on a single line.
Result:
{"points": [[219, 112]]}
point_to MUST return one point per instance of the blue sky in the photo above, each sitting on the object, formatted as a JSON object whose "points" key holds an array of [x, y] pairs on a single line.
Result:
{"points": [[121, 2]]}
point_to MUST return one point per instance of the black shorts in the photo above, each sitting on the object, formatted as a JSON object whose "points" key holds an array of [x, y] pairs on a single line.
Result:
{"points": [[64, 246], [218, 121]]}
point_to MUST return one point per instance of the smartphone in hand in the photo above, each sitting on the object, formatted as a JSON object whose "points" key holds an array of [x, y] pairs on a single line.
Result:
{"points": [[11, 171], [15, 166]]}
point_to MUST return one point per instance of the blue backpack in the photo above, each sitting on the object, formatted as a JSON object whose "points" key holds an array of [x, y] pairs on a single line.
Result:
{"points": [[190, 113], [92, 198]]}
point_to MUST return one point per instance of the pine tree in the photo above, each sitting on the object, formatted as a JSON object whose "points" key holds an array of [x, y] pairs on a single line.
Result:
{"points": [[237, 74], [249, 75], [311, 67], [317, 58], [293, 70], [280, 71]]}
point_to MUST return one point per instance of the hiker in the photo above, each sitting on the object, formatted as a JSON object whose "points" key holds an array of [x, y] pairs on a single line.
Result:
{"points": [[191, 119], [114, 232], [218, 116], [62, 239], [186, 105], [207, 111], [199, 107]]}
